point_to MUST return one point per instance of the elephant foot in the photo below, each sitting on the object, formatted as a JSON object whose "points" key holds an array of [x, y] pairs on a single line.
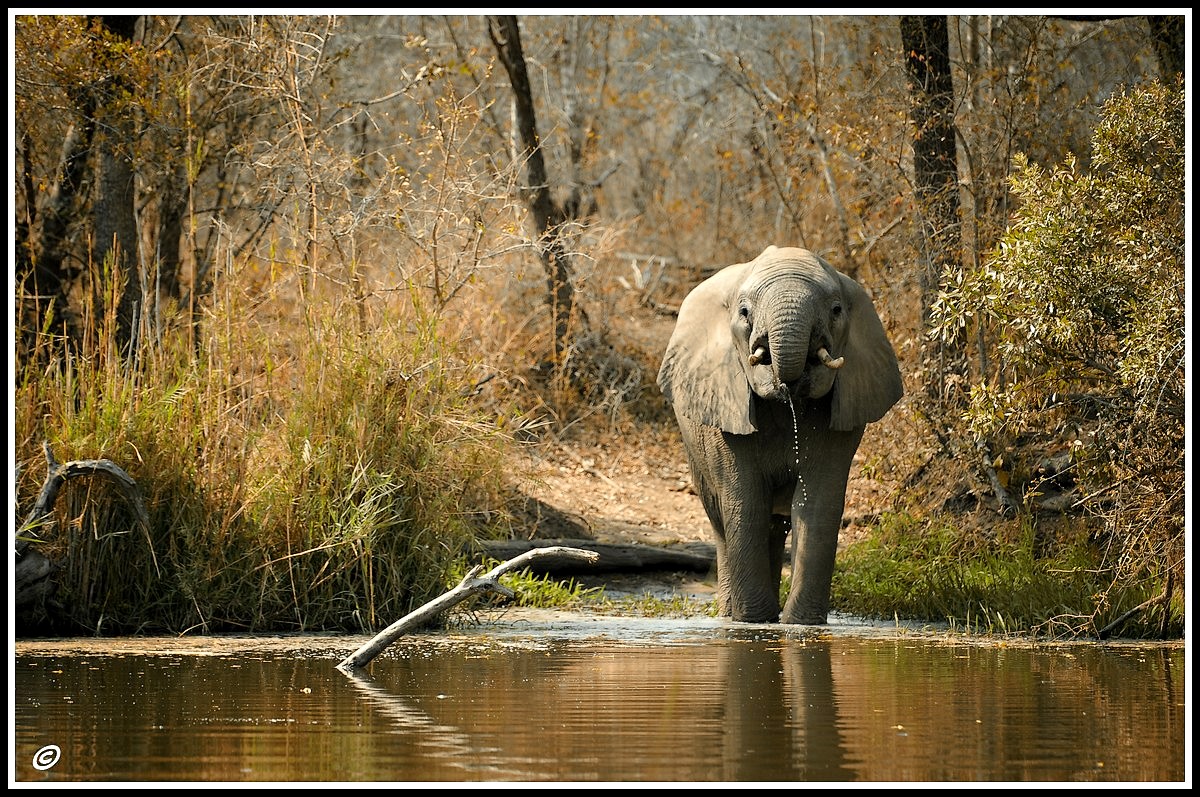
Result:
{"points": [[745, 609], [797, 616], [756, 616], [815, 619]]}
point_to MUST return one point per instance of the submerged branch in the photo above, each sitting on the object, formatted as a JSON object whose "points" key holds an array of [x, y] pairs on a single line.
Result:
{"points": [[470, 585]]}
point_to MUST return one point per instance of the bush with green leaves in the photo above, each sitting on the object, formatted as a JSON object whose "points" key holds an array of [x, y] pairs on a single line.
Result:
{"points": [[1083, 307]]}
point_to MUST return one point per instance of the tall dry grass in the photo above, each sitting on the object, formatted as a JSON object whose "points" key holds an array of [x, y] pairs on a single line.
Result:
{"points": [[307, 463]]}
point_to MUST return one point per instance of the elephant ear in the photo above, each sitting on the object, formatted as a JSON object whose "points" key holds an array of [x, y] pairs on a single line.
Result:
{"points": [[869, 382], [700, 374]]}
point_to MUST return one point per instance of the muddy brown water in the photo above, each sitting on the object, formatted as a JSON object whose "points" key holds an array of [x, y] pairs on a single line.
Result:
{"points": [[546, 696]]}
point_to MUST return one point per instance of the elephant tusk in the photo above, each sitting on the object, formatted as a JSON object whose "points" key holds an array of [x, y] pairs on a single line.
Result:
{"points": [[823, 356], [757, 356]]}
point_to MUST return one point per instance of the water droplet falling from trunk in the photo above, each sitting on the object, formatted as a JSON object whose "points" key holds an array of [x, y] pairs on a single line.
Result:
{"points": [[796, 452]]}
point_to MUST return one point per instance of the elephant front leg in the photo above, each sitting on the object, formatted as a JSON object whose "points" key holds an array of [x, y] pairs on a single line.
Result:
{"points": [[818, 501], [815, 527], [748, 570]]}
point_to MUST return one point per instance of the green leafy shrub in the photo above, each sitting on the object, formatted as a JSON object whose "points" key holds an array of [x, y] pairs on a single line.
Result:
{"points": [[1084, 299]]}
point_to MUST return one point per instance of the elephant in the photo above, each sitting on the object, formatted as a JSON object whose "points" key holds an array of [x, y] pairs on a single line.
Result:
{"points": [[773, 370]]}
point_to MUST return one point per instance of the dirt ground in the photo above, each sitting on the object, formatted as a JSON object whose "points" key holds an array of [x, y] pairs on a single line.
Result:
{"points": [[639, 493]]}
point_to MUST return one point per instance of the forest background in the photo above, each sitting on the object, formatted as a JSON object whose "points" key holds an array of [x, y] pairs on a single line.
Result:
{"points": [[312, 281]]}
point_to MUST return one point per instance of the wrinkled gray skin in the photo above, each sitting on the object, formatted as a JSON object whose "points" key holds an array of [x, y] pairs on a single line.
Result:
{"points": [[747, 349]]}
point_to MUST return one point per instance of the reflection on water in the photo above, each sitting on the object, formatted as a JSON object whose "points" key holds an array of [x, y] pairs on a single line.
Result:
{"points": [[723, 702]]}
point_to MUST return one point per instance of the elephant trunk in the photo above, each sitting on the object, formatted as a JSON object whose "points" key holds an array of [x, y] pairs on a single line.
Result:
{"points": [[789, 332]]}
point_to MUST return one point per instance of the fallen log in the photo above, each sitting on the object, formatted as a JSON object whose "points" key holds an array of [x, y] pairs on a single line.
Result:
{"points": [[611, 558], [469, 586]]}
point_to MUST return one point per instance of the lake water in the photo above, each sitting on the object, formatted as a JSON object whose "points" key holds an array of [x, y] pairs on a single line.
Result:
{"points": [[564, 697]]}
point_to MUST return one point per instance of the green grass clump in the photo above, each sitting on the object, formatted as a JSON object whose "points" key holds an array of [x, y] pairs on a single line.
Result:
{"points": [[543, 591], [929, 570]]}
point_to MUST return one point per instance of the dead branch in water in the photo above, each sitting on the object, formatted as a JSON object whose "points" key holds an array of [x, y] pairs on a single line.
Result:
{"points": [[469, 586], [1163, 598]]}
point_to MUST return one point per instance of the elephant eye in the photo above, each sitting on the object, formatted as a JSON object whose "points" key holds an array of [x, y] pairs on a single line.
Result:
{"points": [[744, 311], [837, 310]]}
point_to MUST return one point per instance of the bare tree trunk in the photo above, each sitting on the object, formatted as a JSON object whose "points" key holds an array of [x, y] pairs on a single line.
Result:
{"points": [[30, 306], [47, 278], [113, 222], [849, 264], [581, 202], [935, 163], [547, 216], [172, 207]]}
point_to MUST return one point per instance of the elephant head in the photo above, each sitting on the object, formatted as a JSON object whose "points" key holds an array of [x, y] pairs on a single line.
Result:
{"points": [[784, 326]]}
